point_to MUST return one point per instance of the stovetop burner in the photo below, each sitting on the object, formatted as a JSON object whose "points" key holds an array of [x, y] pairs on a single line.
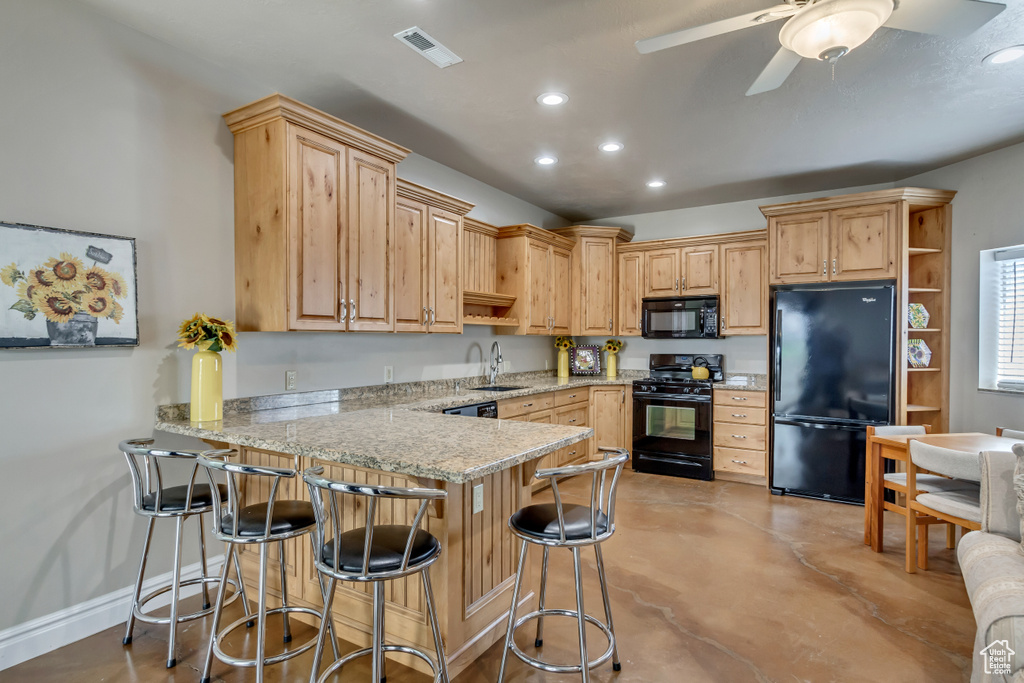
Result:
{"points": [[673, 374]]}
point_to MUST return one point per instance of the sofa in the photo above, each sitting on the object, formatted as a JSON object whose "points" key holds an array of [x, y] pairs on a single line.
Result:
{"points": [[992, 563]]}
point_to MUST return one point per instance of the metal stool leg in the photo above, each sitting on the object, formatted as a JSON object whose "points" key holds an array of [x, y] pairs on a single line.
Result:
{"points": [[442, 660], [231, 555], [284, 592], [241, 584], [616, 666], [202, 563], [261, 623], [175, 590], [324, 621], [543, 592], [138, 584], [581, 615], [378, 673], [512, 613]]}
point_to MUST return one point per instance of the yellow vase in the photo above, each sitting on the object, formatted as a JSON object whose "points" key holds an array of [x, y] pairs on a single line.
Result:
{"points": [[613, 366], [207, 387], [563, 362]]}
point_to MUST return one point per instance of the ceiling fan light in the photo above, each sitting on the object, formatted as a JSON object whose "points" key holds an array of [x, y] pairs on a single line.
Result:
{"points": [[829, 27]]}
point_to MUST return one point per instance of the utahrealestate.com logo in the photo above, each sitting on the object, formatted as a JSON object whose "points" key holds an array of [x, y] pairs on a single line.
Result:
{"points": [[998, 658]]}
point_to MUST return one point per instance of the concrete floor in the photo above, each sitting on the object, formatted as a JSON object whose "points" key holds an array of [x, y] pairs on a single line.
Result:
{"points": [[710, 581]]}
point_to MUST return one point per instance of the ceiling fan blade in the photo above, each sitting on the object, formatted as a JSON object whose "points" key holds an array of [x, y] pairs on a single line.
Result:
{"points": [[776, 73], [949, 18], [715, 28]]}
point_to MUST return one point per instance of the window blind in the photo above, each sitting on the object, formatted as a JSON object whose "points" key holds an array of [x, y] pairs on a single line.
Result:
{"points": [[1010, 318]]}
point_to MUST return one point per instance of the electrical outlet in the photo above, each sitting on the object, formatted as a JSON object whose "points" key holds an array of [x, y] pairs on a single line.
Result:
{"points": [[289, 380], [389, 374], [478, 498]]}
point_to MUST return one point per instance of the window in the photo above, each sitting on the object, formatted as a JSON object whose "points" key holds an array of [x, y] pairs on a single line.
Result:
{"points": [[1010, 320]]}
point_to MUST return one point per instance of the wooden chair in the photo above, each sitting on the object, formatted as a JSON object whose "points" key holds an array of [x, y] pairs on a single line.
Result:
{"points": [[1010, 433], [958, 501]]}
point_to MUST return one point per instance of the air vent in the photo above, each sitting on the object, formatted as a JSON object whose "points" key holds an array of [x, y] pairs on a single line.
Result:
{"points": [[418, 40]]}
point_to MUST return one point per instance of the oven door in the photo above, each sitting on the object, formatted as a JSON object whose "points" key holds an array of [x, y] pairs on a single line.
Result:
{"points": [[672, 426], [679, 318]]}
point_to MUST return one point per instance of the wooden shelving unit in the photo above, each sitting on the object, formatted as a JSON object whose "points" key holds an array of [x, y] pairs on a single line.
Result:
{"points": [[487, 308]]}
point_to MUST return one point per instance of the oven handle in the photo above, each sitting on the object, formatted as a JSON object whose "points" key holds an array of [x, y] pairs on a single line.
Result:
{"points": [[678, 399]]}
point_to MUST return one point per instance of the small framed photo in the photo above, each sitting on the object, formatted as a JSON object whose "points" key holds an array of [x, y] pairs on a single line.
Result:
{"points": [[585, 360]]}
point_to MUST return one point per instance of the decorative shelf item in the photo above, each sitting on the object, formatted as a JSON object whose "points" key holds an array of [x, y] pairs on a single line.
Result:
{"points": [[918, 316], [918, 353], [586, 359]]}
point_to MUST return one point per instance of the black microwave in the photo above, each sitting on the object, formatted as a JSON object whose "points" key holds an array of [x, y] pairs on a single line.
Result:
{"points": [[681, 317]]}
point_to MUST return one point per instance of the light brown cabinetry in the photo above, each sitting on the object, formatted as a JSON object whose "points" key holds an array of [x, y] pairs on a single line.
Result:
{"points": [[744, 303], [630, 294], [661, 272], [681, 271], [611, 415], [533, 265], [428, 269], [314, 220], [740, 432], [592, 291]]}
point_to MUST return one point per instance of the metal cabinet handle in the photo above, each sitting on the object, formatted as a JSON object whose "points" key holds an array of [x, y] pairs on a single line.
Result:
{"points": [[425, 318], [739, 398], [738, 436], [623, 395], [344, 311], [527, 405], [433, 317], [677, 283], [572, 453], [572, 420], [609, 324], [352, 311], [682, 282], [740, 462], [824, 268], [739, 414], [572, 395], [833, 266], [723, 323]]}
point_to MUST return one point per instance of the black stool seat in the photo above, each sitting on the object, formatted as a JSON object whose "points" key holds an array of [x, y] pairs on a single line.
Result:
{"points": [[172, 499], [386, 552], [289, 516], [542, 521]]}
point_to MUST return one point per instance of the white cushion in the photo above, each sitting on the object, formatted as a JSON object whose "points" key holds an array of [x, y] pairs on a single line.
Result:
{"points": [[963, 504], [952, 463], [930, 483], [1013, 434]]}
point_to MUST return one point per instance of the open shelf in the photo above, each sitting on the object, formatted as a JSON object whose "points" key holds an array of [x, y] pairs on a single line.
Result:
{"points": [[915, 330], [487, 308], [924, 290], [489, 320], [487, 299], [917, 251], [923, 369], [911, 408]]}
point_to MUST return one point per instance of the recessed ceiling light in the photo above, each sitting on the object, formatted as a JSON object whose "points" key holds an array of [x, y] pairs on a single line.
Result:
{"points": [[655, 183], [553, 99], [1007, 54], [545, 160], [610, 146]]}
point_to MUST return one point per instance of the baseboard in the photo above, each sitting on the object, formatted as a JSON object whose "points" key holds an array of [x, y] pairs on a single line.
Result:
{"points": [[47, 633]]}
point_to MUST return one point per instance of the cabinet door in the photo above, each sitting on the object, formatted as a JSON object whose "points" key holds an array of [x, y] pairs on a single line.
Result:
{"points": [[609, 417], [630, 291], [445, 282], [597, 290], [371, 254], [798, 248], [316, 242], [411, 265], [558, 295], [863, 243], [538, 309], [699, 274], [661, 272], [744, 289]]}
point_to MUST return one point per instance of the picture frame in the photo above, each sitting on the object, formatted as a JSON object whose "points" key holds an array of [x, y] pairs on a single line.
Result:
{"points": [[585, 360], [66, 288]]}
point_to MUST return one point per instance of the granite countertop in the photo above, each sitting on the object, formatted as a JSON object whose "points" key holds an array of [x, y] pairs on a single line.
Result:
{"points": [[395, 428], [744, 382]]}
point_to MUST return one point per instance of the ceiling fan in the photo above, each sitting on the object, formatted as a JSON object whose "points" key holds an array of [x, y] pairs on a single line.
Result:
{"points": [[828, 29]]}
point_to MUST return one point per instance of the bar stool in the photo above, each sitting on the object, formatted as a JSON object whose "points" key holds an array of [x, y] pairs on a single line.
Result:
{"points": [[567, 525], [153, 500], [260, 523], [372, 553]]}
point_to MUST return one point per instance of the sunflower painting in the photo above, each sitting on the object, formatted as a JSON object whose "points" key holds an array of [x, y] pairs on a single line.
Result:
{"points": [[64, 288]]}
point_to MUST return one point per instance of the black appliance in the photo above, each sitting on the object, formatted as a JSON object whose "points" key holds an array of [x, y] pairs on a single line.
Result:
{"points": [[682, 317], [672, 417], [832, 374], [487, 409]]}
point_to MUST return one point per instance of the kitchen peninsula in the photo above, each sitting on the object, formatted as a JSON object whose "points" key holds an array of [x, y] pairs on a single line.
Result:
{"points": [[396, 435]]}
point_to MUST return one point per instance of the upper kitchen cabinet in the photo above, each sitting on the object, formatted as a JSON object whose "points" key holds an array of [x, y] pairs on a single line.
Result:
{"points": [[661, 272], [744, 305], [798, 246], [681, 271], [428, 268], [630, 293], [314, 220], [534, 265], [592, 283]]}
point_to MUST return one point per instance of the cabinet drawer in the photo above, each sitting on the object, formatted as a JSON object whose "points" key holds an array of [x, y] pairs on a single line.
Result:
{"points": [[511, 407], [573, 453], [574, 415], [740, 436], [749, 399], [567, 396], [740, 414], [739, 460]]}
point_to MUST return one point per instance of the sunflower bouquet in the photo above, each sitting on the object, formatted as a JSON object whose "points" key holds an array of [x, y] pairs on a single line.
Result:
{"points": [[207, 334], [63, 287], [613, 346], [564, 343]]}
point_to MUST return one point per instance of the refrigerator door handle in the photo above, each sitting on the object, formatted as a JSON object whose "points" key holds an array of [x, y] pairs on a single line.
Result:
{"points": [[778, 354], [819, 425]]}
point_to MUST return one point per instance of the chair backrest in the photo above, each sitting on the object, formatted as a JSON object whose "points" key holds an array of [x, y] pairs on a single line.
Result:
{"points": [[236, 476], [328, 506], [602, 501], [145, 465], [1010, 433], [898, 430], [952, 463], [998, 495]]}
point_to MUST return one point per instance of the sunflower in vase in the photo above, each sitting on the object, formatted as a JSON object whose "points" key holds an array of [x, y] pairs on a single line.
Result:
{"points": [[564, 343], [612, 346], [207, 333]]}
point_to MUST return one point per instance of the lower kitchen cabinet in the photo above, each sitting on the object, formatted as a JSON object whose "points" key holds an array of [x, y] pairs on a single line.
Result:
{"points": [[611, 416], [741, 433]]}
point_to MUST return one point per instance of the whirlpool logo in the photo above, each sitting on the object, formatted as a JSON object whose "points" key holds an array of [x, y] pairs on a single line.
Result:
{"points": [[868, 300]]}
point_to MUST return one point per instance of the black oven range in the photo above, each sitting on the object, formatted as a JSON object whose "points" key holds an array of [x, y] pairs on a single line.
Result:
{"points": [[672, 416]]}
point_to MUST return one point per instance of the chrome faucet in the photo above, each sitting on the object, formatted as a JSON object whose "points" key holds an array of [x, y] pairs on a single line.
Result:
{"points": [[495, 360]]}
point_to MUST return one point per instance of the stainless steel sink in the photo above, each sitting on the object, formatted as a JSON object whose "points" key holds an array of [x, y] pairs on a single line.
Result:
{"points": [[496, 388]]}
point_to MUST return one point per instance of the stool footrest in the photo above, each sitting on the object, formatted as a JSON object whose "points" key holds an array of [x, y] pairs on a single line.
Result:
{"points": [[386, 648], [288, 654], [562, 668], [150, 619]]}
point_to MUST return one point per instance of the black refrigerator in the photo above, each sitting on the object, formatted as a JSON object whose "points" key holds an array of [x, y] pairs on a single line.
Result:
{"points": [[832, 373]]}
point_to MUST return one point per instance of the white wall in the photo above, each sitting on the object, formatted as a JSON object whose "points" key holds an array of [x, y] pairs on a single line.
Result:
{"points": [[106, 130]]}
